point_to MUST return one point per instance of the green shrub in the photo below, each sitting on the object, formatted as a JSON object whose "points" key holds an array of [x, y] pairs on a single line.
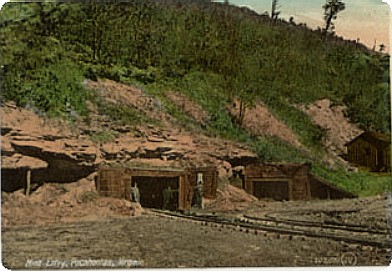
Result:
{"points": [[359, 183], [89, 196], [102, 136], [37, 79]]}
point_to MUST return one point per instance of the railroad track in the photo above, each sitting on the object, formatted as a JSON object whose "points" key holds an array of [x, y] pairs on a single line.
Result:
{"points": [[356, 235], [313, 224]]}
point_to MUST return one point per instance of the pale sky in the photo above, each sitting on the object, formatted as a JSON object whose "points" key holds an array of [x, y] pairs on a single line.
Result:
{"points": [[367, 20]]}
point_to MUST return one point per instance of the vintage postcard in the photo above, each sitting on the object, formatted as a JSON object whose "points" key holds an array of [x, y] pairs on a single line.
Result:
{"points": [[195, 133]]}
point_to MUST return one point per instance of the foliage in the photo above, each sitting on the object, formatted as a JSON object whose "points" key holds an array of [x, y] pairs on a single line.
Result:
{"points": [[275, 150], [102, 136], [359, 183], [34, 76], [331, 10], [150, 42], [118, 112]]}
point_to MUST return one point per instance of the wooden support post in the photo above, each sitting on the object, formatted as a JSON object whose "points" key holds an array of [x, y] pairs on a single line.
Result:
{"points": [[129, 195], [28, 182], [290, 188], [98, 182], [181, 193], [308, 190]]}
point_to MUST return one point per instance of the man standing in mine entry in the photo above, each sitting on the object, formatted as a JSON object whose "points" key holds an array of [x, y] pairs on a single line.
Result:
{"points": [[166, 193], [135, 193], [198, 195], [167, 197]]}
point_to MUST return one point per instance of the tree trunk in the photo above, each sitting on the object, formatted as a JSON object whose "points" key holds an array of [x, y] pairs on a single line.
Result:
{"points": [[328, 24]]}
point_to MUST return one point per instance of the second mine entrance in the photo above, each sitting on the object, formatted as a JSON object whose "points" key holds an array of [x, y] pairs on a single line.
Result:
{"points": [[277, 190]]}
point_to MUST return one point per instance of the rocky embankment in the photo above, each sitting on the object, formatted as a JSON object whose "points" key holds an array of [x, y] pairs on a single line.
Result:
{"points": [[57, 151]]}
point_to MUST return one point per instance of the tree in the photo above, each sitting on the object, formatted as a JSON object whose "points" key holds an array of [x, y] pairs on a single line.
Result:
{"points": [[274, 11], [331, 10]]}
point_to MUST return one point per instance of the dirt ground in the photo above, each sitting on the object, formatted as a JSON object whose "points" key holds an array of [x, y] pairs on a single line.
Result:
{"points": [[163, 242], [61, 223]]}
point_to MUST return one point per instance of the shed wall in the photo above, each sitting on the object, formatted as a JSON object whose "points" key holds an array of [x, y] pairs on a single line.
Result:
{"points": [[363, 153], [113, 182]]}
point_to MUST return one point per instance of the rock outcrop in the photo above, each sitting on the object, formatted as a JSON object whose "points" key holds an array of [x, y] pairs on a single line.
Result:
{"points": [[55, 153]]}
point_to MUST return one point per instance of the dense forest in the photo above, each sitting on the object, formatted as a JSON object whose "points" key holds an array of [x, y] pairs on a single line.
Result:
{"points": [[213, 52]]}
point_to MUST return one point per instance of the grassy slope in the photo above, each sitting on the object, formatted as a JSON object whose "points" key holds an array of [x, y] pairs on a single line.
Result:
{"points": [[274, 62]]}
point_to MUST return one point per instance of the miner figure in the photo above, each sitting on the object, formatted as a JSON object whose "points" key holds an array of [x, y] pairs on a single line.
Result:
{"points": [[135, 193]]}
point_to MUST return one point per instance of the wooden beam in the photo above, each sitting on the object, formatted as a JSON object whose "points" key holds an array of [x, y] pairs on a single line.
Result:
{"points": [[308, 190], [269, 179], [28, 182], [181, 193], [290, 188], [141, 173]]}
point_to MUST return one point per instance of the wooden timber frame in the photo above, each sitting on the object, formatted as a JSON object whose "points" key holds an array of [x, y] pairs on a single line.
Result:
{"points": [[210, 178], [289, 182], [117, 181]]}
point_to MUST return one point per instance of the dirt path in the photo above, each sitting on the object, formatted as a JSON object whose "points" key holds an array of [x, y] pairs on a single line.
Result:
{"points": [[163, 242]]}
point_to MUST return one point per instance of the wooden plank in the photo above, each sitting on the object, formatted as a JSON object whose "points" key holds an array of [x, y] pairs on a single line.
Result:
{"points": [[309, 193], [188, 192], [28, 182], [270, 179], [156, 173], [127, 181], [181, 193], [98, 183], [249, 186]]}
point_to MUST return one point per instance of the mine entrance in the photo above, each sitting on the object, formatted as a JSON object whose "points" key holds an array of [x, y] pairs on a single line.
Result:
{"points": [[154, 189], [277, 190]]}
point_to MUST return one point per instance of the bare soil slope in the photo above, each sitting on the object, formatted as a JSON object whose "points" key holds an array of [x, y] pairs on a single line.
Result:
{"points": [[258, 120], [339, 129]]}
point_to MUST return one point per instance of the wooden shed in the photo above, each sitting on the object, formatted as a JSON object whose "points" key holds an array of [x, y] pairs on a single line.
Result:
{"points": [[371, 150], [117, 182], [288, 182]]}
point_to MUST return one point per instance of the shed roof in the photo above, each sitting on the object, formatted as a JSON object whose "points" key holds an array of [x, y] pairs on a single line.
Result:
{"points": [[376, 138], [333, 186], [278, 169]]}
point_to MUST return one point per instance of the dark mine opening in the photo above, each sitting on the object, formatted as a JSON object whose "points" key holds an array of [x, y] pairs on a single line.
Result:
{"points": [[154, 189], [277, 190], [14, 179]]}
